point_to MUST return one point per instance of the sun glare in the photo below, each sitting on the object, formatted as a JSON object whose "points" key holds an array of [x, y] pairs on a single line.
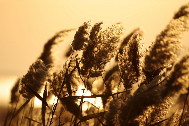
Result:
{"points": [[82, 91], [38, 103]]}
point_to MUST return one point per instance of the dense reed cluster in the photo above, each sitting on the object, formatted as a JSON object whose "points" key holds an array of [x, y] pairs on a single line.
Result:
{"points": [[142, 88]]}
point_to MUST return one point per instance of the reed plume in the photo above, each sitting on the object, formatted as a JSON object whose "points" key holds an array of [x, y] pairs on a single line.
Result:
{"points": [[55, 83], [95, 31], [101, 49], [34, 79], [167, 44], [160, 111], [178, 82], [183, 11], [125, 42], [81, 38], [175, 86], [47, 55], [129, 60]]}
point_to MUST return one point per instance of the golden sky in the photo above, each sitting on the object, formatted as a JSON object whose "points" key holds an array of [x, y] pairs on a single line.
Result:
{"points": [[25, 25]]}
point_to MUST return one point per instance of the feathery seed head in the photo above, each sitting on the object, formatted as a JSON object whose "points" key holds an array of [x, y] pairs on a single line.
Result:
{"points": [[160, 111], [183, 11], [139, 106], [126, 40], [34, 79], [47, 55], [129, 60], [167, 45], [102, 49], [95, 32], [178, 83], [56, 83], [81, 38]]}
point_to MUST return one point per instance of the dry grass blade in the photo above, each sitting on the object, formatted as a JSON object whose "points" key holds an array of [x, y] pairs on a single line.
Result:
{"points": [[180, 120], [33, 120], [88, 117], [37, 95], [20, 109], [9, 115], [43, 109], [158, 123]]}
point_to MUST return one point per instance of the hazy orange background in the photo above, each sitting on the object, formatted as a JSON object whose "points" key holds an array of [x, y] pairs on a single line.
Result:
{"points": [[25, 25]]}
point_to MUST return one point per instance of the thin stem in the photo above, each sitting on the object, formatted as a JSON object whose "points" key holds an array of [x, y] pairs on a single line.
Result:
{"points": [[180, 120]]}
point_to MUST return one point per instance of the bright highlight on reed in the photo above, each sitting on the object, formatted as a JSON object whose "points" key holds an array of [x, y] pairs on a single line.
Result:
{"points": [[140, 89]]}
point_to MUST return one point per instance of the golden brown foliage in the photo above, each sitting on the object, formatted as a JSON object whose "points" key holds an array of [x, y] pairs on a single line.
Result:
{"points": [[138, 90]]}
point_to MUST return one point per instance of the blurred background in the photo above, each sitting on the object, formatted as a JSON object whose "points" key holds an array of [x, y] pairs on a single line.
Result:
{"points": [[25, 25]]}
